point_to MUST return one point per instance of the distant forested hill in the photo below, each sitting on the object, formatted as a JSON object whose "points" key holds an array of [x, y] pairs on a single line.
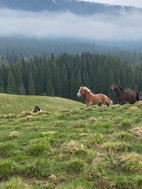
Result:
{"points": [[13, 49], [62, 75], [73, 6]]}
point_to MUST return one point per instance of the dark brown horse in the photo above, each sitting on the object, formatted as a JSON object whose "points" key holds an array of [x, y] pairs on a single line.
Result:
{"points": [[93, 99], [125, 95], [36, 109]]}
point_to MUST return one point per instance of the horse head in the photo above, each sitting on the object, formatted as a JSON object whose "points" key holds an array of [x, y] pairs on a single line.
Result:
{"points": [[36, 109], [114, 86], [81, 91]]}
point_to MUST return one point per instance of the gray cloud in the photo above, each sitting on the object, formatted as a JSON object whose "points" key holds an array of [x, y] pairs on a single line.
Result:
{"points": [[46, 24]]}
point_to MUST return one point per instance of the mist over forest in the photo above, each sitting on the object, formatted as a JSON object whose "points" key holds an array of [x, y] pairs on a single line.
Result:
{"points": [[32, 32]]}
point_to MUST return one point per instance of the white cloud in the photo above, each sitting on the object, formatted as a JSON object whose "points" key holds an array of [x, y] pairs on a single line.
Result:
{"points": [[136, 3], [45, 24]]}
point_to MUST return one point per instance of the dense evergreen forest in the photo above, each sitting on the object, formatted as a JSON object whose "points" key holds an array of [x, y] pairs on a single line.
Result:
{"points": [[62, 75]]}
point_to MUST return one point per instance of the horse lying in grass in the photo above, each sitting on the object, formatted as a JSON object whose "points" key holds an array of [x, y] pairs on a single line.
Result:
{"points": [[36, 109], [93, 99]]}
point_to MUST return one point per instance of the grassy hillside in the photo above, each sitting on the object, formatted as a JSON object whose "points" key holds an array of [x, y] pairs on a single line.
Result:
{"points": [[68, 147]]}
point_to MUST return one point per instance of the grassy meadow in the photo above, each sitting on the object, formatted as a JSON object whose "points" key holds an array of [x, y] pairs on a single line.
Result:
{"points": [[67, 146]]}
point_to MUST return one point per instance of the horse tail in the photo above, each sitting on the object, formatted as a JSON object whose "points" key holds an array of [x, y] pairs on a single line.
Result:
{"points": [[137, 97], [109, 100]]}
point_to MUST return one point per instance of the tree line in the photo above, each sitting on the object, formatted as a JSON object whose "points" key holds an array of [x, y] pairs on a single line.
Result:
{"points": [[62, 75], [16, 48]]}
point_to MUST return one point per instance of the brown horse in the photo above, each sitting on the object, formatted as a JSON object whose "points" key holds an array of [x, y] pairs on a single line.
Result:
{"points": [[36, 109], [125, 95], [93, 99]]}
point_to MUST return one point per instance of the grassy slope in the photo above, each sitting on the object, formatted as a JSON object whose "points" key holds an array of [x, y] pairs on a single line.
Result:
{"points": [[67, 147]]}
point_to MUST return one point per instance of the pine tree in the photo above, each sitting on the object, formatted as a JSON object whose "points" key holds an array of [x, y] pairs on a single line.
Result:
{"points": [[22, 90], [11, 84], [31, 87], [1, 85], [50, 89]]}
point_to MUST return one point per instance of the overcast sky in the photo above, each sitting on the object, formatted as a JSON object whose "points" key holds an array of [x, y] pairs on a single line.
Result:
{"points": [[136, 3], [66, 24]]}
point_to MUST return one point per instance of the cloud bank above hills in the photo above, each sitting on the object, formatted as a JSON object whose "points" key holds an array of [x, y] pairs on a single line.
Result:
{"points": [[47, 24]]}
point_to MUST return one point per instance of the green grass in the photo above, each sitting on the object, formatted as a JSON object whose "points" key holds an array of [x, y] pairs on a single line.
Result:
{"points": [[67, 146]]}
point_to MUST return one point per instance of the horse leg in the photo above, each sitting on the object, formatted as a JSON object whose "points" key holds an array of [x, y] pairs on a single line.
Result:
{"points": [[87, 104], [104, 103]]}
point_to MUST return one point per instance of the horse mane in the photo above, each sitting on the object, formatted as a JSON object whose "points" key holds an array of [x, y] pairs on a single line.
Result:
{"points": [[87, 89], [121, 89]]}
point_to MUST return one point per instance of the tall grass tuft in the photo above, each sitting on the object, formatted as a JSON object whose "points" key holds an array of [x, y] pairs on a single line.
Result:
{"points": [[131, 162], [15, 183]]}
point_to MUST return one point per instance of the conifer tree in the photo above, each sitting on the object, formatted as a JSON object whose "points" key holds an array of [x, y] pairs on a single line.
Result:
{"points": [[50, 89], [1, 85], [11, 84], [31, 87]]}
